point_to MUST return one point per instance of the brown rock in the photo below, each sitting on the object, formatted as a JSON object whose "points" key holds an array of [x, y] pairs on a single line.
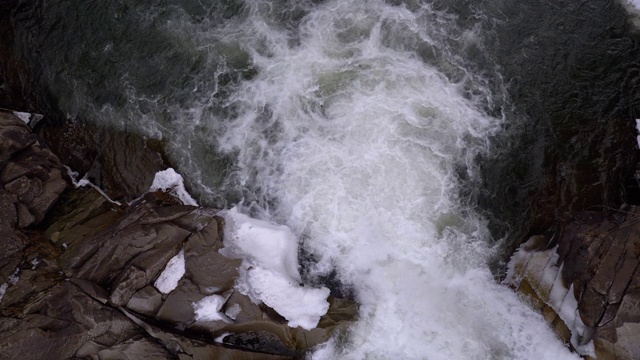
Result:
{"points": [[8, 213], [178, 307], [145, 301], [25, 218], [599, 256], [139, 348]]}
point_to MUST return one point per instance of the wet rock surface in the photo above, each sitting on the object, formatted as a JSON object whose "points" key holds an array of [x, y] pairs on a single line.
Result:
{"points": [[589, 268], [79, 273], [121, 164]]}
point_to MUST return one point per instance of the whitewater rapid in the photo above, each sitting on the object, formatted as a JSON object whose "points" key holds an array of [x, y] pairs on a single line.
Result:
{"points": [[354, 123], [357, 144]]}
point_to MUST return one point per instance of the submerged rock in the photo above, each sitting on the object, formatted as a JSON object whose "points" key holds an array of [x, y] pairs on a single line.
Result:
{"points": [[586, 281]]}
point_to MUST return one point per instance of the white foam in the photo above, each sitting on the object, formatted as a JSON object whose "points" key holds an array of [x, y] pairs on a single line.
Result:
{"points": [[172, 273], [170, 180], [270, 269]]}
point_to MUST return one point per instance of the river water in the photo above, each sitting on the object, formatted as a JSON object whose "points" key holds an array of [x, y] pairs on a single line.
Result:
{"points": [[360, 125]]}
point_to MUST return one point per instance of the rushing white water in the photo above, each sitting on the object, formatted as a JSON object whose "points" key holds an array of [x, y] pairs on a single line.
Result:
{"points": [[350, 139]]}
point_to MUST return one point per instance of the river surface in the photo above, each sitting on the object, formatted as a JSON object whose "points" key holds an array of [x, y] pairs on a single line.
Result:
{"points": [[383, 133]]}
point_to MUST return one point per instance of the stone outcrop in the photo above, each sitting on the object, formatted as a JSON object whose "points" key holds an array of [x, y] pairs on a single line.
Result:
{"points": [[30, 183], [121, 164], [81, 282], [589, 268]]}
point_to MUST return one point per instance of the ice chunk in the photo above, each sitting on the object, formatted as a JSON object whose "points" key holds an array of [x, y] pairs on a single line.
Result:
{"points": [[268, 245], [269, 271], [170, 180], [172, 273], [300, 305]]}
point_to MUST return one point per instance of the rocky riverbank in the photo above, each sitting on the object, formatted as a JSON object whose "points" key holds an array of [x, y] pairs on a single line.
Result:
{"points": [[585, 281], [82, 272]]}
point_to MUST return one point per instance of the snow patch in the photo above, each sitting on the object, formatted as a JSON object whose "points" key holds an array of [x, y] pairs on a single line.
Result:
{"points": [[208, 309], [170, 180], [14, 278], [172, 273], [3, 290], [269, 271]]}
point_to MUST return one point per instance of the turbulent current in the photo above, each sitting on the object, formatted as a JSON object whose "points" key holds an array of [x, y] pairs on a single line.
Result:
{"points": [[358, 124]]}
